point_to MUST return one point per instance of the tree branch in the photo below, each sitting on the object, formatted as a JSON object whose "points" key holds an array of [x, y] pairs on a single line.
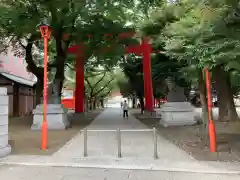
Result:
{"points": [[100, 80], [89, 84], [107, 93], [22, 45], [100, 90], [37, 71], [72, 68]]}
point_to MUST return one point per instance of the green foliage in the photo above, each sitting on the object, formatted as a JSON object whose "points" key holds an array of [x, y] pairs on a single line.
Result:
{"points": [[125, 87], [99, 82], [99, 85], [132, 68], [20, 20], [197, 34]]}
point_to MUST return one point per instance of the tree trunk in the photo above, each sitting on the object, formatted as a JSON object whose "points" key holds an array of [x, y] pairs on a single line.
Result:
{"points": [[102, 103], [232, 112], [97, 103], [159, 103], [94, 104], [141, 104], [86, 104], [203, 99], [90, 103], [57, 89], [60, 68], [33, 68], [39, 91], [134, 102], [221, 87], [227, 110]]}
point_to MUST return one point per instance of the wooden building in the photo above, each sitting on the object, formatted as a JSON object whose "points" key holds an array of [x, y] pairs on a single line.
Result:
{"points": [[19, 83]]}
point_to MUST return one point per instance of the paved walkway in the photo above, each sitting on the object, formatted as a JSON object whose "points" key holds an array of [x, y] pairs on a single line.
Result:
{"points": [[134, 144], [102, 163]]}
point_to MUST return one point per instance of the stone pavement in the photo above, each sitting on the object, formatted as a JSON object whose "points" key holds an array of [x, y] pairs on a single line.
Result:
{"points": [[102, 162], [51, 173]]}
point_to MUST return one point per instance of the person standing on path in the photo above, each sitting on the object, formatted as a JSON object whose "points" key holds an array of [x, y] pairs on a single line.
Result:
{"points": [[125, 110]]}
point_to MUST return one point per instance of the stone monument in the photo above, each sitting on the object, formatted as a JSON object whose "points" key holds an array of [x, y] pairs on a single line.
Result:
{"points": [[56, 113], [5, 148], [176, 111]]}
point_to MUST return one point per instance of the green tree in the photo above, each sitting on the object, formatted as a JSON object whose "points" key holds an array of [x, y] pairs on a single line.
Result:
{"points": [[99, 84], [77, 19], [193, 32]]}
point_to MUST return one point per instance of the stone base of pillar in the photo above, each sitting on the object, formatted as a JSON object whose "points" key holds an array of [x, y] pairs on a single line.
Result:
{"points": [[177, 114], [5, 148], [56, 117], [5, 151]]}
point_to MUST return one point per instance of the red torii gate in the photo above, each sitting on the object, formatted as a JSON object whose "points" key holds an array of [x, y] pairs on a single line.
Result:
{"points": [[143, 49], [79, 88]]}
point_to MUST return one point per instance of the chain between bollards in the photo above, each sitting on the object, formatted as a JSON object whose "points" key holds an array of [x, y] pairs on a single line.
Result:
{"points": [[155, 154], [85, 142], [119, 143]]}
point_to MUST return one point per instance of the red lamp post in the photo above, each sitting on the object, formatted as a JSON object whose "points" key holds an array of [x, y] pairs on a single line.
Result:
{"points": [[46, 33], [211, 126]]}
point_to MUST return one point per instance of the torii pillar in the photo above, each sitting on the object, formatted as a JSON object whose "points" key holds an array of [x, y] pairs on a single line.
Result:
{"points": [[147, 74], [145, 50], [79, 89]]}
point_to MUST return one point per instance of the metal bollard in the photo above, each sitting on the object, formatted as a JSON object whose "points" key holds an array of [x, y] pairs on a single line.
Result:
{"points": [[155, 154], [85, 142], [119, 142]]}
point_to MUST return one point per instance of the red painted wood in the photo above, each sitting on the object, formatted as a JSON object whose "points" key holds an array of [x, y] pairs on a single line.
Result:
{"points": [[144, 49]]}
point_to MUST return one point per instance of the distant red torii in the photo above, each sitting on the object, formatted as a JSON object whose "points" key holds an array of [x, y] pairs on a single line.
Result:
{"points": [[143, 49], [121, 35]]}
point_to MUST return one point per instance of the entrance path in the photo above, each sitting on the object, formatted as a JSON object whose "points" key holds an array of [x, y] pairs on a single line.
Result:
{"points": [[137, 148], [138, 145]]}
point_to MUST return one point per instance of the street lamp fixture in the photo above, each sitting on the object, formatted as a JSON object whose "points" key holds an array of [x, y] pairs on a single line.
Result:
{"points": [[46, 34]]}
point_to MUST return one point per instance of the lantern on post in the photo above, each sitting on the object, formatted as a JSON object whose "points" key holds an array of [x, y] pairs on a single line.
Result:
{"points": [[46, 33]]}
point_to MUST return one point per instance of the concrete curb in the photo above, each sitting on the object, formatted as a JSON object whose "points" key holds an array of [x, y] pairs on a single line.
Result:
{"points": [[124, 167]]}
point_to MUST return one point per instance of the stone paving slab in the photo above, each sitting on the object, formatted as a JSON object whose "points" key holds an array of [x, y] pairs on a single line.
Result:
{"points": [[25, 158], [231, 166], [51, 173]]}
